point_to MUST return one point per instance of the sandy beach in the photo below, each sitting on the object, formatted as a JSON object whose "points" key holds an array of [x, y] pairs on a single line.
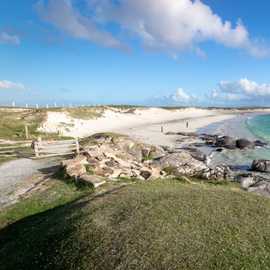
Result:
{"points": [[144, 124]]}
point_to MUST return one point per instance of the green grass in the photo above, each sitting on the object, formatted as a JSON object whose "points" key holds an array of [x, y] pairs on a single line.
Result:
{"points": [[56, 193], [153, 225]]}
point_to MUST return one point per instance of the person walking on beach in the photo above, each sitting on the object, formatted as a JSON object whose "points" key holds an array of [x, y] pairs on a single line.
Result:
{"points": [[187, 124]]}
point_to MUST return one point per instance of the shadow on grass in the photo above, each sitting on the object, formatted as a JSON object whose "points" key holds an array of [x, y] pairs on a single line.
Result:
{"points": [[34, 242]]}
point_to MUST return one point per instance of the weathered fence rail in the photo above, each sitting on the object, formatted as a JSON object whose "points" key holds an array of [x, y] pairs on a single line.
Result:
{"points": [[45, 149], [39, 148], [13, 149]]}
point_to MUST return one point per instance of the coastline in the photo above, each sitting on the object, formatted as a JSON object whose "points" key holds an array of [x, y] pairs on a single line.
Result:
{"points": [[144, 124]]}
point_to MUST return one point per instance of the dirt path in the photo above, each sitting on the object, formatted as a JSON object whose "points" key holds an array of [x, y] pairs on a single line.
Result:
{"points": [[16, 177]]}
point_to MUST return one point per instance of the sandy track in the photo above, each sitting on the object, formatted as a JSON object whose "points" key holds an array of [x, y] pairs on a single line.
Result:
{"points": [[16, 177]]}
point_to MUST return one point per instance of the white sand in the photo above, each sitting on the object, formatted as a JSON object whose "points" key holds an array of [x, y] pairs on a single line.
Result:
{"points": [[144, 124]]}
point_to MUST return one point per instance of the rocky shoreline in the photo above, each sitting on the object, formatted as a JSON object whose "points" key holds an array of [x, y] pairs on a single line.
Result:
{"points": [[109, 157]]}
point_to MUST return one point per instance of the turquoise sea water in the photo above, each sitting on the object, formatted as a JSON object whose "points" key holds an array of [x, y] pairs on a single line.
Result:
{"points": [[260, 126], [249, 126]]}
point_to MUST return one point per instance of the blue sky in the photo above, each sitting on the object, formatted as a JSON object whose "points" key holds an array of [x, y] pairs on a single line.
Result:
{"points": [[176, 52]]}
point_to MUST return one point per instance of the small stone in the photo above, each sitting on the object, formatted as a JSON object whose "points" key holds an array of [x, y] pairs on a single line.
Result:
{"points": [[145, 174]]}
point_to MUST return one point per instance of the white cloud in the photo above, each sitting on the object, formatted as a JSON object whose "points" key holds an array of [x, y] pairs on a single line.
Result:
{"points": [[175, 25], [6, 38], [11, 85], [180, 97], [242, 90], [168, 25], [63, 15]]}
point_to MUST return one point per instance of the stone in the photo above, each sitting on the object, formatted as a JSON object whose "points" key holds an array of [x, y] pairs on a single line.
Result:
{"points": [[116, 174], [182, 163], [261, 165], [94, 180], [75, 170], [157, 152], [259, 143], [145, 174], [75, 167], [246, 180], [261, 188], [209, 139], [226, 142], [195, 153], [111, 163], [80, 159], [116, 157], [103, 171], [146, 152], [219, 173], [244, 143]]}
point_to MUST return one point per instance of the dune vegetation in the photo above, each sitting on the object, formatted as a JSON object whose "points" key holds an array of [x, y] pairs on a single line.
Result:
{"points": [[164, 224]]}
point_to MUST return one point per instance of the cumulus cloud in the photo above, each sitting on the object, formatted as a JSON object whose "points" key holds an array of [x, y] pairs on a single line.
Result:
{"points": [[175, 25], [179, 98], [182, 97], [243, 90], [168, 25], [63, 15], [6, 85], [6, 38]]}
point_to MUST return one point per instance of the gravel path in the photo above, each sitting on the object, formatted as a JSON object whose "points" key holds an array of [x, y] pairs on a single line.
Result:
{"points": [[15, 175]]}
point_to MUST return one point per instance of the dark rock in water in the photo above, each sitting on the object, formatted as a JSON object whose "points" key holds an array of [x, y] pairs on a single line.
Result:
{"points": [[260, 143], [219, 149], [229, 142], [209, 139], [244, 143], [261, 165], [226, 142], [198, 144]]}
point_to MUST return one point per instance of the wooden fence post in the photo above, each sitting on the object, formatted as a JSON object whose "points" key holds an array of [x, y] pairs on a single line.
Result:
{"points": [[26, 132], [36, 148], [77, 146]]}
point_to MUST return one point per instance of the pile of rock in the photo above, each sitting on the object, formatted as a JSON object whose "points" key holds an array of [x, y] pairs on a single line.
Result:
{"points": [[110, 156]]}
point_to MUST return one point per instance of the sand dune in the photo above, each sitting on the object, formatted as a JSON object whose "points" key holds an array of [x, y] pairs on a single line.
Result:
{"points": [[142, 123]]}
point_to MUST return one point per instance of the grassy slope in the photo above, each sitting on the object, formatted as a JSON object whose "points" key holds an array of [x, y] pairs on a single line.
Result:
{"points": [[155, 225], [54, 193], [12, 123]]}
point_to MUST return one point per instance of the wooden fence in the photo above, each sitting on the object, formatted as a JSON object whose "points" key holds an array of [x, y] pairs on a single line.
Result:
{"points": [[14, 149], [45, 149]]}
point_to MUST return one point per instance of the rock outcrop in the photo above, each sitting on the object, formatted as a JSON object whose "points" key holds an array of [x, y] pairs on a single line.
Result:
{"points": [[244, 143], [113, 157], [261, 165], [228, 142], [255, 183]]}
